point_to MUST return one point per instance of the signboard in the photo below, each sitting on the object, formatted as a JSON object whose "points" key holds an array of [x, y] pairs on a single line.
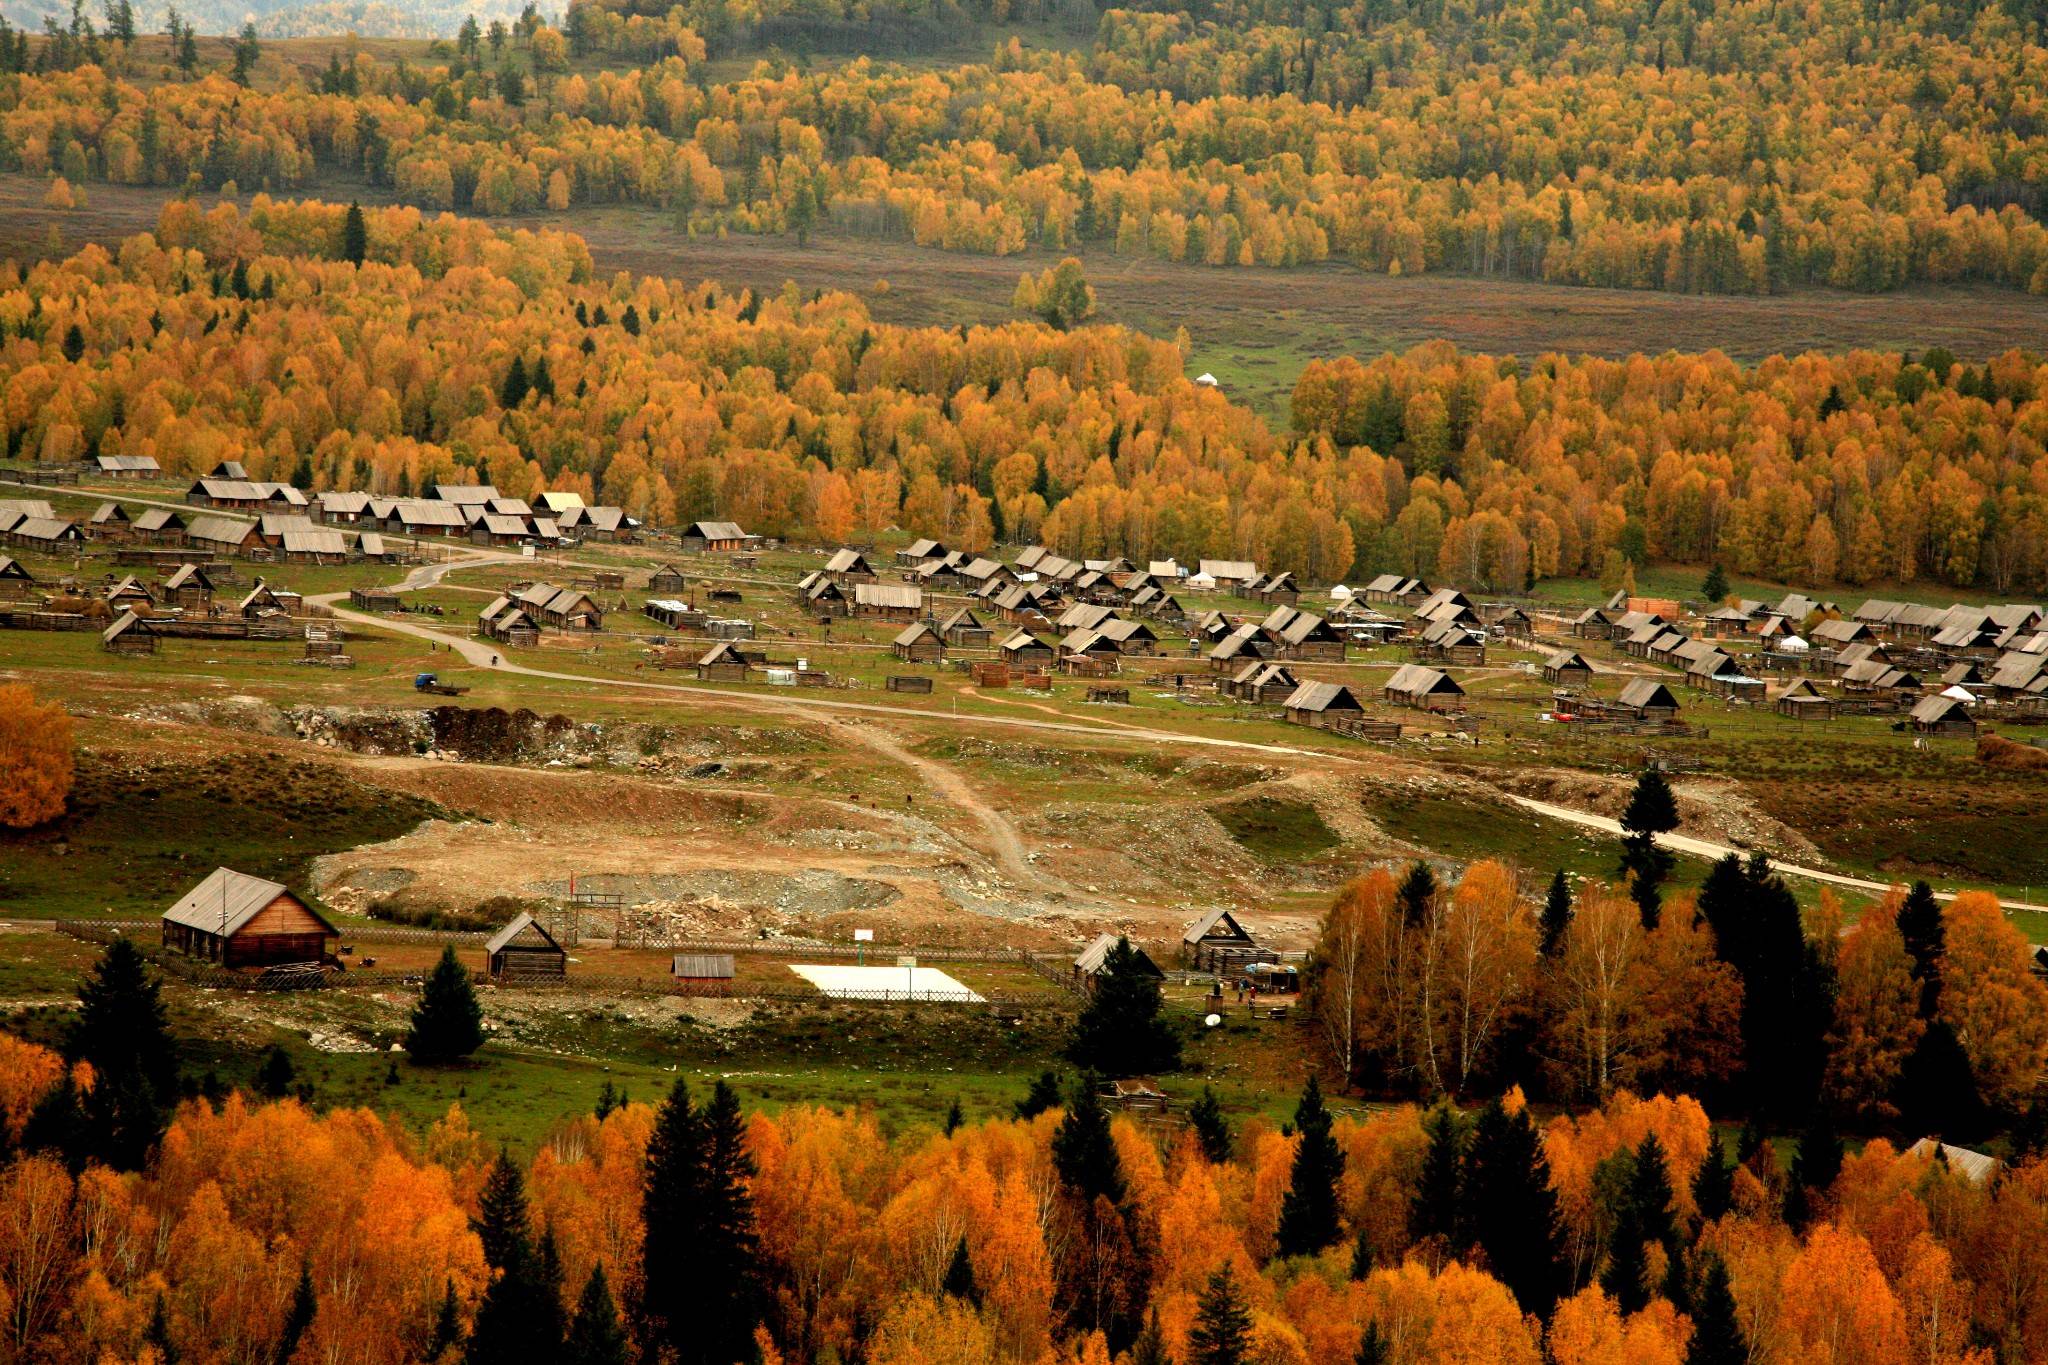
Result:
{"points": [[906, 962], [863, 936]]}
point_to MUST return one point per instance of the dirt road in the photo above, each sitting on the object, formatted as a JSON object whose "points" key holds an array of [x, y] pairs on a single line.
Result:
{"points": [[1685, 843]]}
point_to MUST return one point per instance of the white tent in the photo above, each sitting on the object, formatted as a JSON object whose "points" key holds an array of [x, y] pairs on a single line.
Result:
{"points": [[1959, 693], [1792, 644], [1201, 580], [1206, 380], [1340, 593]]}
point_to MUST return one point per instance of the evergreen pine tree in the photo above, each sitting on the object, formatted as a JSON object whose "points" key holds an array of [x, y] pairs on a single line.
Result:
{"points": [[447, 1326], [550, 1318], [1651, 810], [1713, 1186], [700, 1256], [122, 1032], [1308, 1211], [447, 1023], [1043, 1094], [959, 1282], [1083, 1152], [1715, 589], [1815, 1166], [954, 1118], [1557, 915], [1643, 1217], [513, 391], [297, 1318], [1434, 1210], [1122, 1032], [355, 236], [1223, 1328], [1417, 891], [596, 1337], [630, 320], [158, 1333], [1373, 1348], [1920, 925], [1716, 1332], [1362, 1258], [502, 1222], [1212, 1130], [1937, 1090], [1150, 1347], [1510, 1208], [74, 343]]}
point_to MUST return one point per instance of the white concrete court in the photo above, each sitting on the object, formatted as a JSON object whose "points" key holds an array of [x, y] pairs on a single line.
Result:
{"points": [[885, 983]]}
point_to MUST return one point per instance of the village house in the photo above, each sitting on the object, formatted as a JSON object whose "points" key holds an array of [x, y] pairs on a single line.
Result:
{"points": [[262, 601], [888, 601], [1295, 634], [130, 634], [849, 566], [1025, 651], [1649, 701], [507, 622], [127, 466], [1317, 704], [236, 920], [158, 526], [964, 630], [15, 579], [47, 535], [717, 537], [1267, 684], [919, 644], [1939, 715], [1230, 575], [1801, 700], [561, 608], [1594, 623], [373, 599], [1425, 689], [665, 579], [919, 551], [1395, 589], [1088, 653], [525, 951], [1567, 668], [1279, 590], [723, 662], [130, 595], [109, 521], [702, 973]]}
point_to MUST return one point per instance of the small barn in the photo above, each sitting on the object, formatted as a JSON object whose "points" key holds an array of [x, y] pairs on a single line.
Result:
{"points": [[1425, 689], [1218, 943], [1090, 962], [1268, 684], [919, 644], [525, 950], [130, 595], [1279, 590], [1319, 704], [1649, 700], [188, 587], [373, 599], [238, 920], [109, 521], [1025, 651], [889, 601], [15, 579], [849, 566], [702, 973], [666, 579], [1940, 715], [1567, 668], [158, 526]]}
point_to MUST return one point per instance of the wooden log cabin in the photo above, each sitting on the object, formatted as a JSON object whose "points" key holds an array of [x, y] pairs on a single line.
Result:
{"points": [[237, 920], [525, 951]]}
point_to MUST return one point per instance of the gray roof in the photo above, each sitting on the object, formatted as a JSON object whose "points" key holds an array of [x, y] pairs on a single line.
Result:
{"points": [[847, 561], [1203, 927], [1090, 960], [1933, 710], [1322, 696], [519, 925], [1414, 680], [891, 595], [702, 966], [231, 897], [220, 530], [718, 530], [1643, 692], [911, 634], [158, 519], [315, 542], [461, 493]]}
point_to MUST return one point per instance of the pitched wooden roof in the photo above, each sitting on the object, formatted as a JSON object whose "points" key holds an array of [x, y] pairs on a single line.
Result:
{"points": [[232, 899], [525, 930], [1207, 927]]}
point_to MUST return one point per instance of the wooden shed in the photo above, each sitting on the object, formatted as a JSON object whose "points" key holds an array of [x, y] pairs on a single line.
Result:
{"points": [[1424, 688], [849, 566], [703, 973], [525, 950], [1025, 650], [188, 587], [723, 662], [665, 579], [238, 920], [1217, 942], [1650, 700], [1803, 701], [373, 599], [15, 579], [1318, 704], [722, 536], [919, 644], [130, 634], [964, 630], [890, 601]]}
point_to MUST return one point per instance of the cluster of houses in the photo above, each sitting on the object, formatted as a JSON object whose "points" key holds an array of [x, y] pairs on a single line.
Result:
{"points": [[518, 615]]}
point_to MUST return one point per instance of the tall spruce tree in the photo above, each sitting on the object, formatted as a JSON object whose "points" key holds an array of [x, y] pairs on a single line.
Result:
{"points": [[297, 1318], [959, 1282], [1715, 588], [1373, 1347], [1122, 1032], [1212, 1130], [1557, 915], [1511, 1209], [355, 236], [1716, 1331], [1042, 1094], [1434, 1209], [597, 1336], [1651, 811], [1642, 1217], [503, 1224], [447, 1023], [122, 1031], [1786, 1008], [700, 1256], [1920, 925], [1415, 894], [1222, 1332], [1308, 1211], [1150, 1347], [1937, 1089], [1815, 1166], [1083, 1152], [1713, 1185], [447, 1326]]}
